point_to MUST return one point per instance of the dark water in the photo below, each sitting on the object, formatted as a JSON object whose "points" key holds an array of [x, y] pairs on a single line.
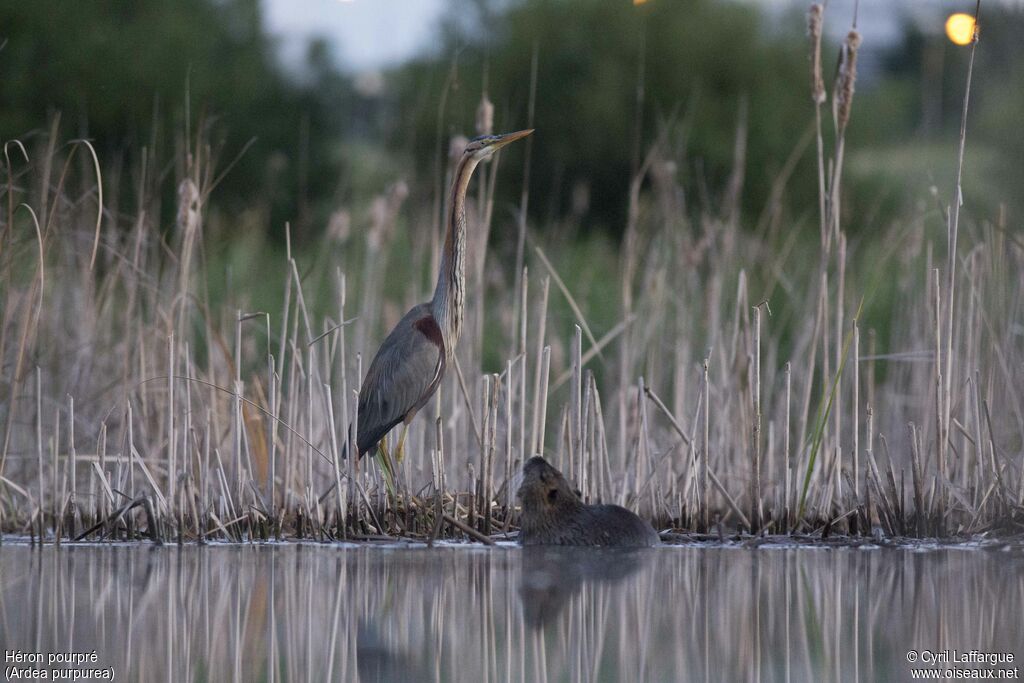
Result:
{"points": [[314, 613]]}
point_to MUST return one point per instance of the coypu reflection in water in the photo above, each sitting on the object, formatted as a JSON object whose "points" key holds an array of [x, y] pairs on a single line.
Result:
{"points": [[552, 575], [553, 514], [378, 662]]}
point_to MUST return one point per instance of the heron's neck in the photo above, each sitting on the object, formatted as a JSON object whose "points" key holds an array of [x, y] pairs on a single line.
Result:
{"points": [[449, 293]]}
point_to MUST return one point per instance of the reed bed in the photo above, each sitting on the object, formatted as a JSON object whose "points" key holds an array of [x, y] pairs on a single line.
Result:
{"points": [[738, 387]]}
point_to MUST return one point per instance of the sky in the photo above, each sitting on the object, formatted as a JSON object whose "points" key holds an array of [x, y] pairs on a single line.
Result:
{"points": [[372, 34], [365, 34]]}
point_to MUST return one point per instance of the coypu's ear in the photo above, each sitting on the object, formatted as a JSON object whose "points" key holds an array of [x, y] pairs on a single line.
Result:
{"points": [[552, 495]]}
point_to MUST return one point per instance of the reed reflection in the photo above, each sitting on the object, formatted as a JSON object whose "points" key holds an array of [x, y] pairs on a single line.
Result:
{"points": [[310, 612]]}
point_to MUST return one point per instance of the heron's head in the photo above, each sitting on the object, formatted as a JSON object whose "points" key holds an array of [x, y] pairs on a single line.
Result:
{"points": [[483, 147]]}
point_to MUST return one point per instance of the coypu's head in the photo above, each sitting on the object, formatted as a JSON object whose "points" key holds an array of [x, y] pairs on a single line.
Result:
{"points": [[543, 488]]}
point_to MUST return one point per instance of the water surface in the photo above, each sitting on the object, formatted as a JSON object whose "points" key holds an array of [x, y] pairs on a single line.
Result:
{"points": [[289, 612]]}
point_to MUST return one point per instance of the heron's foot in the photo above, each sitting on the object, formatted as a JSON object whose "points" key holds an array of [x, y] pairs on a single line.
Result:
{"points": [[400, 451], [387, 468]]}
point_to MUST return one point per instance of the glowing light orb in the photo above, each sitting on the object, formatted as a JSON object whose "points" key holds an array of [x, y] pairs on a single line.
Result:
{"points": [[960, 28]]}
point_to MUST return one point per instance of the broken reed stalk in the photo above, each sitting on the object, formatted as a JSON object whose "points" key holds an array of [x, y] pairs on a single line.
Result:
{"points": [[787, 452], [537, 434], [705, 467], [755, 490], [856, 413]]}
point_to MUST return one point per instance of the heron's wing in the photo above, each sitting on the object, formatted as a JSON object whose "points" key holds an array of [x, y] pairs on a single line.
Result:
{"points": [[402, 376]]}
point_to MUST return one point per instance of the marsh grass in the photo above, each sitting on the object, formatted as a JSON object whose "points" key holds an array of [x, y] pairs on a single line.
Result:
{"points": [[731, 391]]}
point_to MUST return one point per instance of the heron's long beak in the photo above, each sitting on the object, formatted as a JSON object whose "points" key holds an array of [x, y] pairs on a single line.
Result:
{"points": [[502, 140]]}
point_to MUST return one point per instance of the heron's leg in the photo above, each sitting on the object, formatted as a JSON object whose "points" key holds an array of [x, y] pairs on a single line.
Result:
{"points": [[400, 451], [386, 466]]}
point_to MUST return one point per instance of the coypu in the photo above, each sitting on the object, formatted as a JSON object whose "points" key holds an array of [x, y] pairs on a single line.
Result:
{"points": [[553, 514]]}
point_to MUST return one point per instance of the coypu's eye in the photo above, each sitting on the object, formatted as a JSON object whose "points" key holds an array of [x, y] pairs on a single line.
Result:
{"points": [[552, 495]]}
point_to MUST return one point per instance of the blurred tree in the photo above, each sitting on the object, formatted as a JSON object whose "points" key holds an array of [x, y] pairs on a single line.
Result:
{"points": [[121, 74], [921, 96], [694, 61]]}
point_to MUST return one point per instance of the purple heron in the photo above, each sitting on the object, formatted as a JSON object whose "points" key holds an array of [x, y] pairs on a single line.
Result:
{"points": [[410, 364]]}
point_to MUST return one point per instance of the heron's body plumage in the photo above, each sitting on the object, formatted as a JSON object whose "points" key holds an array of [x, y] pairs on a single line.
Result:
{"points": [[403, 376]]}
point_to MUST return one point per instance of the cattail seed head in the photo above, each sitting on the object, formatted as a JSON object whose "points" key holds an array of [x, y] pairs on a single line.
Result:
{"points": [[339, 227], [189, 211], [846, 79], [456, 146], [384, 215], [485, 117], [378, 224], [814, 21]]}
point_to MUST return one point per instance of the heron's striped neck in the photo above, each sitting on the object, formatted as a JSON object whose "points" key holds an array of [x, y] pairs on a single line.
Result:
{"points": [[449, 293]]}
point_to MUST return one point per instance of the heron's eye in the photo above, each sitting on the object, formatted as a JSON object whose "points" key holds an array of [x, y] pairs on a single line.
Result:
{"points": [[552, 495]]}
